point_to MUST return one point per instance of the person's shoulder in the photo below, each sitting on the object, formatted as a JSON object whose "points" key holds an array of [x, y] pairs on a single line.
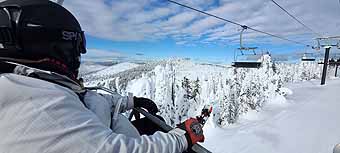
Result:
{"points": [[20, 82], [10, 78]]}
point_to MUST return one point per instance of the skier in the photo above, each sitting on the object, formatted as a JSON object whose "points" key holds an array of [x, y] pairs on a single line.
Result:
{"points": [[43, 107]]}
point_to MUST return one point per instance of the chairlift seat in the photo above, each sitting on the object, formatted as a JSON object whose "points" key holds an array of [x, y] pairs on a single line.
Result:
{"points": [[247, 48], [247, 64], [308, 59]]}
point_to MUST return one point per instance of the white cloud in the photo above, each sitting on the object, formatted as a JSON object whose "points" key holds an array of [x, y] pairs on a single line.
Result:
{"points": [[94, 16], [198, 27], [179, 20], [137, 20]]}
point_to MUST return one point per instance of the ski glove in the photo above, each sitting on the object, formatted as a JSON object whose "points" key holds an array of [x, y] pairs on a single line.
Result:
{"points": [[145, 103], [194, 131]]}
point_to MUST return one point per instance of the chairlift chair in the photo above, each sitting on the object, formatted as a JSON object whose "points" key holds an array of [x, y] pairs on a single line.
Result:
{"points": [[242, 50], [308, 57]]}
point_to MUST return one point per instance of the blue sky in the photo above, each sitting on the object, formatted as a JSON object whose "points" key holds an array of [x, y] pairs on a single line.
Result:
{"points": [[156, 29], [167, 48]]}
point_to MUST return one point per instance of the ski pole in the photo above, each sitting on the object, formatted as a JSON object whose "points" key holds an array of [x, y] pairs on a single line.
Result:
{"points": [[196, 147]]}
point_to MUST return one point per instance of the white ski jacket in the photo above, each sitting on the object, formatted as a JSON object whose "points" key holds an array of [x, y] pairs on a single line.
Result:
{"points": [[37, 116]]}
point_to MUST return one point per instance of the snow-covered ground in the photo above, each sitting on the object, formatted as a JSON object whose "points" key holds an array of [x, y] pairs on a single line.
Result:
{"points": [[270, 109], [306, 121], [115, 69], [116, 77], [181, 88], [89, 67]]}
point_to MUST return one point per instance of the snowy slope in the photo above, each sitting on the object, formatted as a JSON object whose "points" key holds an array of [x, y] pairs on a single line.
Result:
{"points": [[193, 70], [89, 67], [116, 77], [307, 122], [116, 69]]}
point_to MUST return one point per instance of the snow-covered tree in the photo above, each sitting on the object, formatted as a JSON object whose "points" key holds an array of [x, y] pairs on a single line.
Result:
{"points": [[180, 88]]}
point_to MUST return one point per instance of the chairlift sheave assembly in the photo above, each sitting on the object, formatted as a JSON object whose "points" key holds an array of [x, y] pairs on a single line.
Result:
{"points": [[327, 42], [245, 64]]}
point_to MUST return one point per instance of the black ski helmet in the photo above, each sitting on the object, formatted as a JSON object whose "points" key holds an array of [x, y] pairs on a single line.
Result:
{"points": [[41, 34]]}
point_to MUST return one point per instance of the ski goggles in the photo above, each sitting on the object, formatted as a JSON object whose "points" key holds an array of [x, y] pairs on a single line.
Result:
{"points": [[10, 32]]}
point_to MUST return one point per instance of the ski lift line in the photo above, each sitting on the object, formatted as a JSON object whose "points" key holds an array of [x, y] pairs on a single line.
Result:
{"points": [[304, 25], [235, 23], [279, 37], [212, 15]]}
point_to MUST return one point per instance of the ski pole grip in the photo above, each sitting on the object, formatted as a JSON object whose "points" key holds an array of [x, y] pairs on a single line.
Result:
{"points": [[196, 147]]}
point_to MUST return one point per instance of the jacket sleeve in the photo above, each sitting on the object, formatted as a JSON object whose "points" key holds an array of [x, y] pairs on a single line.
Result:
{"points": [[53, 119], [123, 103], [103, 105], [93, 136]]}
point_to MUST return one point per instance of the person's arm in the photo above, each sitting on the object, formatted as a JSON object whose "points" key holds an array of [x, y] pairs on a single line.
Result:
{"points": [[100, 106], [83, 130], [189, 132], [103, 105], [123, 102]]}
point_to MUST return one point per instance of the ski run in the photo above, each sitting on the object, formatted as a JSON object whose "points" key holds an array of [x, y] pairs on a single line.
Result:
{"points": [[306, 122]]}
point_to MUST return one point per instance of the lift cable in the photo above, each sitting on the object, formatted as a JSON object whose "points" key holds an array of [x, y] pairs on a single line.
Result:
{"points": [[235, 23], [304, 25]]}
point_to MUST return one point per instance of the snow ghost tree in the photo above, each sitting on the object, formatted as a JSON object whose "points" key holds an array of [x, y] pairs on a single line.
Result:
{"points": [[164, 88]]}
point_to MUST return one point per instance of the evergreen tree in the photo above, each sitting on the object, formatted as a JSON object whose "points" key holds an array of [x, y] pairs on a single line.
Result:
{"points": [[196, 89]]}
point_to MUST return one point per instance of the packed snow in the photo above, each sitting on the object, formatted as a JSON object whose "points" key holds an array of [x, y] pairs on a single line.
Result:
{"points": [[306, 121]]}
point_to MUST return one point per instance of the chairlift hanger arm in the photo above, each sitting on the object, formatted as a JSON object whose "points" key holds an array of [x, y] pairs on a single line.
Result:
{"points": [[328, 42], [304, 25], [241, 34]]}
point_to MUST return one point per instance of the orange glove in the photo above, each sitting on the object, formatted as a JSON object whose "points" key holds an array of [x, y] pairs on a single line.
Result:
{"points": [[194, 131]]}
